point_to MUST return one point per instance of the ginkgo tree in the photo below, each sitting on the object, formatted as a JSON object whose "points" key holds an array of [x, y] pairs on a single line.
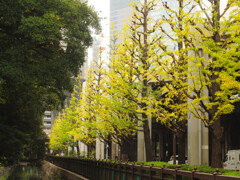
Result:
{"points": [[121, 111], [192, 55], [170, 105], [213, 70], [94, 112], [104, 114], [91, 108], [133, 63], [145, 58], [70, 127], [61, 137], [209, 72], [60, 140]]}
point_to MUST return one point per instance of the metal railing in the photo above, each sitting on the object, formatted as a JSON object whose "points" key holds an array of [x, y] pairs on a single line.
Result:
{"points": [[102, 170]]}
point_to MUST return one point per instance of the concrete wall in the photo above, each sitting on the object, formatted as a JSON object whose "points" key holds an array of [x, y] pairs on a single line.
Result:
{"points": [[54, 172]]}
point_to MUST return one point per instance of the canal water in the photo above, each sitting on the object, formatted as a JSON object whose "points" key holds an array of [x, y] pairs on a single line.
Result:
{"points": [[25, 173]]}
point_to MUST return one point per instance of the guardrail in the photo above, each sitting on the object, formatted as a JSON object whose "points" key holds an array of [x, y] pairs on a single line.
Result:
{"points": [[102, 170]]}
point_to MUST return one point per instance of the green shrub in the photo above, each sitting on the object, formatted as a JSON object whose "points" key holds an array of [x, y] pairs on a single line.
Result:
{"points": [[232, 173], [200, 168]]}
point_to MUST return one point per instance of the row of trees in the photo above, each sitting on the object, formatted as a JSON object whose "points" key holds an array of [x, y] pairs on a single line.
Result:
{"points": [[170, 60], [43, 45]]}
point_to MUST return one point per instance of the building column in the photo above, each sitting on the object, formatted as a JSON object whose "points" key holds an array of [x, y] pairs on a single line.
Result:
{"points": [[141, 152], [140, 147], [114, 151], [99, 149], [198, 142]]}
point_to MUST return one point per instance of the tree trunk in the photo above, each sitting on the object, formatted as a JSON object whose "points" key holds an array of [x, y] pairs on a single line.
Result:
{"points": [[124, 151], [67, 152], [174, 148], [216, 126], [146, 129], [90, 149], [217, 131], [216, 159], [129, 149], [72, 152], [78, 150], [109, 149], [133, 150], [181, 147], [147, 139]]}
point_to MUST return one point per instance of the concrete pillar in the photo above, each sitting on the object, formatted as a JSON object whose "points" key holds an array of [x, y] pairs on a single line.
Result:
{"points": [[99, 149], [141, 153], [141, 147], [198, 142], [205, 146], [198, 135], [114, 151]]}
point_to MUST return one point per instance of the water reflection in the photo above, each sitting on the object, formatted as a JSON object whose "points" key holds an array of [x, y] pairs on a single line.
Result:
{"points": [[25, 173]]}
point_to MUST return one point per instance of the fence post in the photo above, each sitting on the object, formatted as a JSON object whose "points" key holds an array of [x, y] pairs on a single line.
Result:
{"points": [[119, 170], [141, 171], [113, 170], [100, 169], [89, 168], [92, 168], [176, 173], [126, 170], [96, 169], [193, 171], [87, 165], [109, 170], [86, 168], [104, 172], [216, 173], [82, 166], [163, 172], [151, 171], [133, 169]]}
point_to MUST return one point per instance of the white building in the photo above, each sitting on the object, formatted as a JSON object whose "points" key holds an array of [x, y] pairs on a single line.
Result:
{"points": [[48, 121]]}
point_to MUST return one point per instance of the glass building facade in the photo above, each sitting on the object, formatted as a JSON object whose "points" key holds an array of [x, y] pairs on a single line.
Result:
{"points": [[120, 10]]}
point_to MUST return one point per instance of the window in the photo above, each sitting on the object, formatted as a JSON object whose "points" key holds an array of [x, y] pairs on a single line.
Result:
{"points": [[48, 116]]}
